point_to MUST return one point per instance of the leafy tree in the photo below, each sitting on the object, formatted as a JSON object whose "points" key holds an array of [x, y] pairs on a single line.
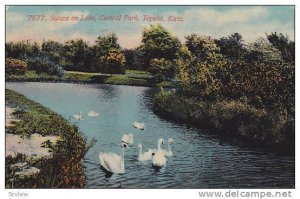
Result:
{"points": [[159, 43], [202, 48], [203, 75], [113, 62], [21, 49], [232, 47], [42, 63], [284, 45], [162, 68], [54, 50], [105, 43], [134, 58], [264, 78], [129, 57], [108, 52], [138, 59], [75, 52]]}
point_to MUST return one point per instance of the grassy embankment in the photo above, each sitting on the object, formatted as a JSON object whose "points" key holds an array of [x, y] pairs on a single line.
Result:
{"points": [[132, 77], [64, 169], [240, 122]]}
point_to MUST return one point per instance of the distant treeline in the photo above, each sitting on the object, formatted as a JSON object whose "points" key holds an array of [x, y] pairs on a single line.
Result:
{"points": [[158, 45]]}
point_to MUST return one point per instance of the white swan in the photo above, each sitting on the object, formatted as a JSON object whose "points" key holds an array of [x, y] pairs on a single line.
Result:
{"points": [[128, 139], [138, 125], [158, 159], [169, 153], [93, 114], [159, 143], [78, 116], [144, 156], [158, 156], [113, 163]]}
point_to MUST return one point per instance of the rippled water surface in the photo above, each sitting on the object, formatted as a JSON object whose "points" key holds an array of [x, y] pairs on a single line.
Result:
{"points": [[199, 161]]}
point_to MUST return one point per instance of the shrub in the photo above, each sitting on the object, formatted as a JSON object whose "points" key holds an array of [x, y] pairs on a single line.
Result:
{"points": [[113, 62], [231, 118], [264, 78], [44, 64], [162, 68], [15, 66]]}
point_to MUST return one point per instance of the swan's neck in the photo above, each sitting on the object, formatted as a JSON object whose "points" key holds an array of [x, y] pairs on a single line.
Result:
{"points": [[140, 151], [122, 157], [169, 147], [158, 145]]}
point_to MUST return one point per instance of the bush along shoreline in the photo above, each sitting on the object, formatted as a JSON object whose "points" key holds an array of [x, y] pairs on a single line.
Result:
{"points": [[234, 121], [64, 168]]}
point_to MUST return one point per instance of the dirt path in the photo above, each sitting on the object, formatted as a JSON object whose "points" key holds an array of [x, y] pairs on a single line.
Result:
{"points": [[9, 118]]}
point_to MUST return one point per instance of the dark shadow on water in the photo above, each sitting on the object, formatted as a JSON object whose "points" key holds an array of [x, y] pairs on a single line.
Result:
{"points": [[156, 169], [108, 174]]}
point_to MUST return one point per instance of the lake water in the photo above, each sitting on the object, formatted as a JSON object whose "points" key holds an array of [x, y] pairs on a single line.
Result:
{"points": [[200, 160]]}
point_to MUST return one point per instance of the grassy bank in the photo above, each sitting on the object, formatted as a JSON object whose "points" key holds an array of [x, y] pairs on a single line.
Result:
{"points": [[131, 77], [64, 169], [240, 122]]}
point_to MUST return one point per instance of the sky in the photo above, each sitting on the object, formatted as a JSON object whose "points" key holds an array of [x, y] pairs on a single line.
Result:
{"points": [[251, 22]]}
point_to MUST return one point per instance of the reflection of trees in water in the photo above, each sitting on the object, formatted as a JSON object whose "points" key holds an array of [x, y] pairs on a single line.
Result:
{"points": [[108, 92], [147, 98]]}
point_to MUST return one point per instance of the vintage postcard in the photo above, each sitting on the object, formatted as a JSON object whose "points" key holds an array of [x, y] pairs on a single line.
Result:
{"points": [[150, 97]]}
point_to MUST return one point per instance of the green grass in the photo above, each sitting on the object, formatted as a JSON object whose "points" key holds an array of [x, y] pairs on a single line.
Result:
{"points": [[131, 77], [32, 76], [79, 76], [138, 74], [165, 84], [65, 168]]}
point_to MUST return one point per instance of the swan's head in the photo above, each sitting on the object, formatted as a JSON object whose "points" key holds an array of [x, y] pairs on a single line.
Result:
{"points": [[161, 141], [153, 154], [124, 145], [139, 146], [171, 141], [128, 139]]}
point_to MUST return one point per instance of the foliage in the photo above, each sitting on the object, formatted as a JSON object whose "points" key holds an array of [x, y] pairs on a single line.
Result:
{"points": [[134, 58], [42, 63], [21, 49], [108, 52], [246, 92], [54, 50], [113, 62], [159, 43], [75, 55], [284, 45], [264, 78], [65, 168], [162, 69], [205, 73], [15, 66], [32, 76], [105, 43], [232, 47], [202, 48], [230, 118]]}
